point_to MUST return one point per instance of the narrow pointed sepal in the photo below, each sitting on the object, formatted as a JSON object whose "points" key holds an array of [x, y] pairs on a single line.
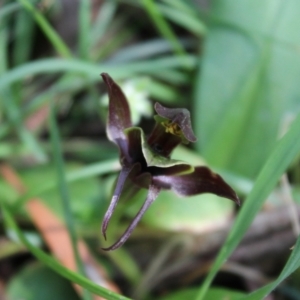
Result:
{"points": [[118, 111], [152, 195], [202, 180], [124, 174]]}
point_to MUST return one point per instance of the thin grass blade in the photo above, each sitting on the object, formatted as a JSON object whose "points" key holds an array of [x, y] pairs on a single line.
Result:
{"points": [[51, 34], [286, 150], [64, 192]]}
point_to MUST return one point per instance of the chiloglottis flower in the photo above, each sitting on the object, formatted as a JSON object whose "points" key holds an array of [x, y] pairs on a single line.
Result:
{"points": [[146, 161]]}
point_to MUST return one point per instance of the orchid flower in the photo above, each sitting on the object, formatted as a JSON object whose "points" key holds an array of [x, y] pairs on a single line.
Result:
{"points": [[146, 162]]}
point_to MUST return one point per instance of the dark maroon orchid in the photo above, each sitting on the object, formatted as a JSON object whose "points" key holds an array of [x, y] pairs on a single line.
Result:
{"points": [[146, 162]]}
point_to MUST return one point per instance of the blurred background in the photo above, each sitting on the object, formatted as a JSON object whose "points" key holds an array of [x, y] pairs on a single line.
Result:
{"points": [[234, 64]]}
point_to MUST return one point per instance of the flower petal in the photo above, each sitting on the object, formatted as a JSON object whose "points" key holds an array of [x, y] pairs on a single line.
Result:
{"points": [[180, 116], [118, 111], [143, 180], [152, 158], [152, 195], [202, 180], [130, 171], [134, 142], [163, 142]]}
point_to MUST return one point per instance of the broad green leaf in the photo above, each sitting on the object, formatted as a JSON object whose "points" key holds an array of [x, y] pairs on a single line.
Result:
{"points": [[248, 81], [36, 282], [286, 150]]}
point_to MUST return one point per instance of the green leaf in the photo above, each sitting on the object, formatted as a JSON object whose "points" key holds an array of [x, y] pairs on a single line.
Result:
{"points": [[284, 153], [251, 57], [36, 282]]}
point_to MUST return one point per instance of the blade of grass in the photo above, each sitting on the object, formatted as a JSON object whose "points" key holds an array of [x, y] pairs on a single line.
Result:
{"points": [[9, 9], [71, 83], [110, 46], [163, 92], [84, 28], [3, 41], [8, 102], [163, 26], [186, 20], [13, 112], [104, 18], [56, 266], [68, 83], [284, 153], [55, 65], [5, 128], [291, 266], [3, 45], [147, 49], [24, 33], [188, 7], [50, 33], [64, 192]]}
